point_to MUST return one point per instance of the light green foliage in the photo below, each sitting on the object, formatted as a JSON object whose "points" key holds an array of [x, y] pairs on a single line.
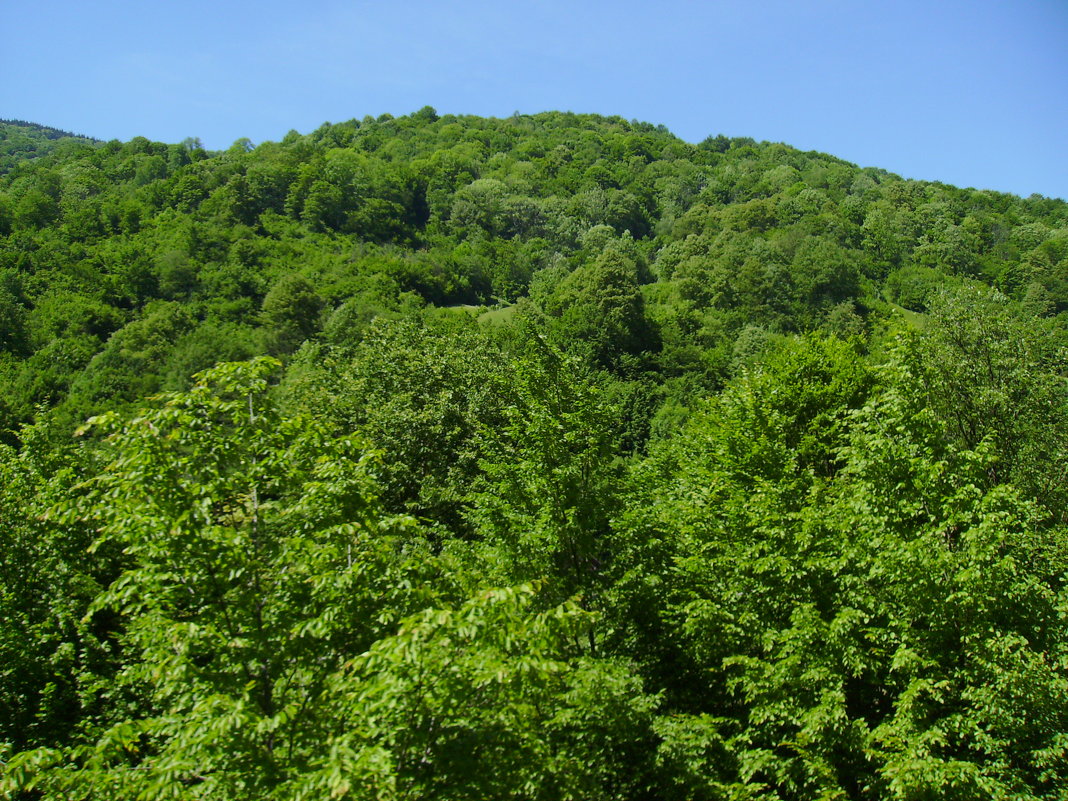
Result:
{"points": [[24, 141], [468, 210], [965, 600], [261, 588], [257, 561], [490, 208]]}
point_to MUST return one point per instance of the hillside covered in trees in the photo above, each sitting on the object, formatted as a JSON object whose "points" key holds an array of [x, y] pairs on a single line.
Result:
{"points": [[21, 141], [549, 457]]}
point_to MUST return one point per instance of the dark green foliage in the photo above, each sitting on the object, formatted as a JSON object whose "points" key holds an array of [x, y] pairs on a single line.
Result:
{"points": [[995, 377], [544, 501], [13, 333], [870, 634], [419, 391], [58, 664], [291, 313], [600, 310]]}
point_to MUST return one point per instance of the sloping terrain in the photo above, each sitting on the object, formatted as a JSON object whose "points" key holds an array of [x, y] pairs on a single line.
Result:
{"points": [[540, 457]]}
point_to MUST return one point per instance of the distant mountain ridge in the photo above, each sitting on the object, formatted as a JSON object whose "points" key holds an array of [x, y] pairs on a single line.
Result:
{"points": [[21, 140], [46, 130]]}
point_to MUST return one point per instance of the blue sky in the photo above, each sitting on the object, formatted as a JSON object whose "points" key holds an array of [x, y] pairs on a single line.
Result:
{"points": [[970, 93]]}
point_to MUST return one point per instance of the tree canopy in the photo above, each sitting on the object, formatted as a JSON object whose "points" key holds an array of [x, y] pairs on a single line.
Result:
{"points": [[548, 457]]}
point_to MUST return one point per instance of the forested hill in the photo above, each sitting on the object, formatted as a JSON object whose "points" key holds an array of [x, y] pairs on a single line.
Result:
{"points": [[127, 267], [540, 457], [21, 140]]}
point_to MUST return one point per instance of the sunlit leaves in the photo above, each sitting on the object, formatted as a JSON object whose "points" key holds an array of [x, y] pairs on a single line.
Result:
{"points": [[257, 561], [490, 700]]}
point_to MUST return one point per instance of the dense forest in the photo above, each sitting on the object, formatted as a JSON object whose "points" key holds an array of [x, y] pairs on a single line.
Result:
{"points": [[21, 141], [549, 457]]}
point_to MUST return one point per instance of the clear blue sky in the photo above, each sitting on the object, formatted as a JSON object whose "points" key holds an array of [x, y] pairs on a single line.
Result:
{"points": [[973, 93]]}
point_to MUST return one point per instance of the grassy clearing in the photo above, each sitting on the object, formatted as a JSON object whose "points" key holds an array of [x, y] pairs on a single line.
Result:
{"points": [[915, 320], [497, 316]]}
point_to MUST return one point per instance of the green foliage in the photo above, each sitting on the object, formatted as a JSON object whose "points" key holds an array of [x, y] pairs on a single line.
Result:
{"points": [[490, 700], [22, 141], [291, 313], [995, 377], [257, 561], [600, 305], [419, 391], [12, 323], [544, 503], [601, 466], [57, 665], [889, 631], [260, 585], [469, 210]]}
